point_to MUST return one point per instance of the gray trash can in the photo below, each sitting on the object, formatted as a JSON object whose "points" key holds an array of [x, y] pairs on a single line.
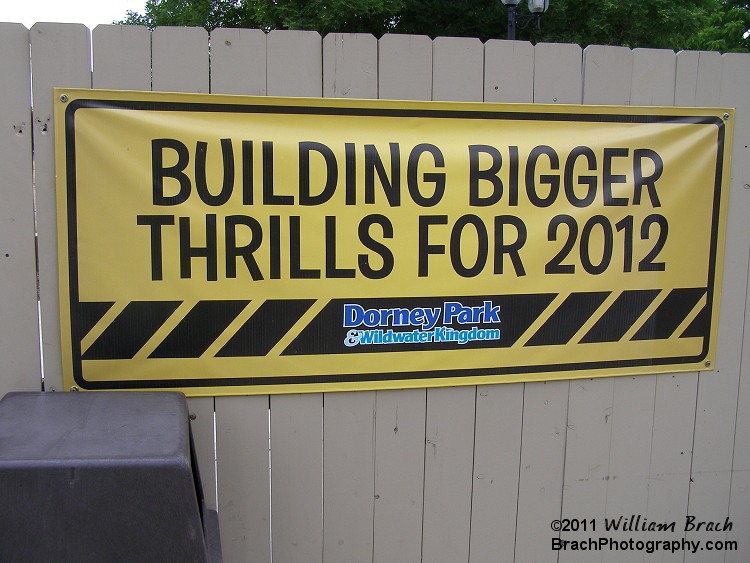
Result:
{"points": [[101, 477]]}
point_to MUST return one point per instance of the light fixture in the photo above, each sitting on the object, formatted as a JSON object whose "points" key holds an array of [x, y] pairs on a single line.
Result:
{"points": [[536, 9]]}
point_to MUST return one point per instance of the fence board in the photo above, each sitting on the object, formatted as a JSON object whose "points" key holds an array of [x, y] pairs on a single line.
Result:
{"points": [[540, 490], [457, 75], [238, 66], [508, 71], [633, 405], [349, 70], [295, 69], [180, 64], [244, 492], [545, 413], [60, 56], [558, 70], [296, 477], [736, 70], [404, 72], [716, 412], [122, 57], [295, 66], [508, 77], [348, 478], [448, 474], [238, 62], [405, 67], [655, 83], [399, 475], [179, 59], [497, 450], [350, 65], [457, 69], [607, 79], [19, 332]]}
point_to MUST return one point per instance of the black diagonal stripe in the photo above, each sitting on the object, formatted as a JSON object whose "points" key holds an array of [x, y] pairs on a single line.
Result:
{"points": [[199, 329], [265, 328], [700, 327], [618, 319], [325, 334], [568, 318], [90, 313], [670, 314], [131, 330]]}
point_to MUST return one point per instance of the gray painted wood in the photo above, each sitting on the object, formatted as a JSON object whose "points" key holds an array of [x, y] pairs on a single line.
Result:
{"points": [[349, 70], [294, 60], [179, 59], [545, 415], [350, 65], [540, 487], [711, 497], [508, 76], [180, 64], [399, 475], [457, 69], [243, 473], [448, 474], [508, 71], [716, 412], [61, 56], [497, 452], [734, 92], [295, 65], [558, 72], [297, 477], [122, 57], [238, 62], [19, 330], [404, 72], [348, 477], [243, 477], [405, 67]]}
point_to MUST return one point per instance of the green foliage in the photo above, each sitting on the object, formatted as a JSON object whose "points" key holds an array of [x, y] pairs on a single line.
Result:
{"points": [[686, 24]]}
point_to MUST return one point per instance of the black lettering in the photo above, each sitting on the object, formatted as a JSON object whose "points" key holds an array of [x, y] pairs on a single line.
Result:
{"points": [[489, 175], [512, 249], [156, 222], [350, 163], [274, 263], [331, 270], [295, 240], [482, 246], [552, 180], [425, 249], [247, 173], [649, 182], [159, 171], [590, 181], [246, 252], [270, 198], [209, 252], [201, 182], [332, 171], [437, 178], [610, 178], [392, 186], [378, 247]]}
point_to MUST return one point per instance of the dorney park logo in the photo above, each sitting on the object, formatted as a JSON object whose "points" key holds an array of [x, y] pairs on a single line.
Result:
{"points": [[420, 325]]}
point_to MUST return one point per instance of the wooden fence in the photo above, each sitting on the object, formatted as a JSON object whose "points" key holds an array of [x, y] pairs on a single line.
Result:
{"points": [[476, 473]]}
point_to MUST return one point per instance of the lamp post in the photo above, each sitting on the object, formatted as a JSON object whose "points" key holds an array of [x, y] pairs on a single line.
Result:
{"points": [[536, 9]]}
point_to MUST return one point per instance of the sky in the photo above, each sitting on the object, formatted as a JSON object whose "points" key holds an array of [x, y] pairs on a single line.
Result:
{"points": [[89, 12]]}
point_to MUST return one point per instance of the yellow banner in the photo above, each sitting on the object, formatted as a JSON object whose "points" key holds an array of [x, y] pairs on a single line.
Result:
{"points": [[239, 245]]}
